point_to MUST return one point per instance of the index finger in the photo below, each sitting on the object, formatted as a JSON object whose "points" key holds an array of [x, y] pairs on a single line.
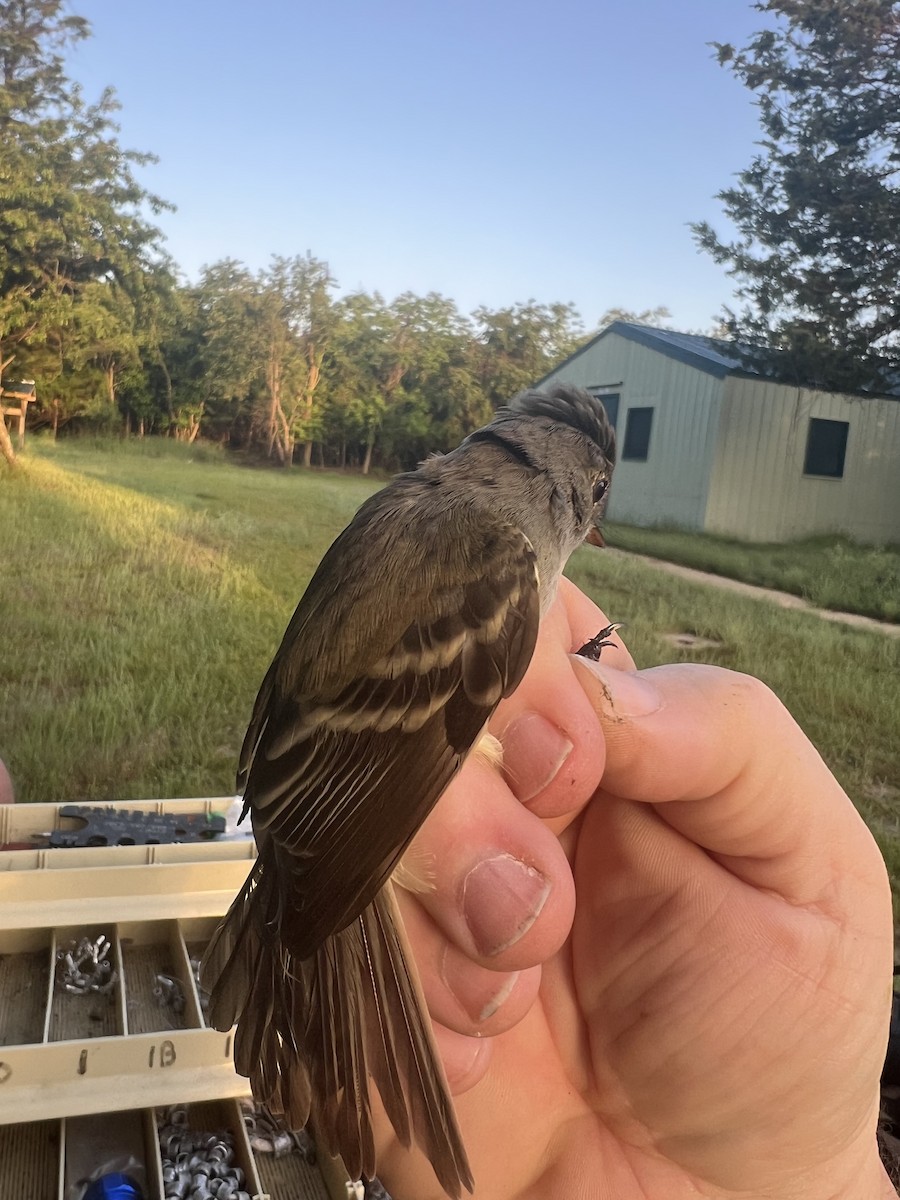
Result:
{"points": [[553, 750]]}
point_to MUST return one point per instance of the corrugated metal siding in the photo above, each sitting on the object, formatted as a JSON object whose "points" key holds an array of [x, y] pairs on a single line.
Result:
{"points": [[757, 488], [671, 486]]}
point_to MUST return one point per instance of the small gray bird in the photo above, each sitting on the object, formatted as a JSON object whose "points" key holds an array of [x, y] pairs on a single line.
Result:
{"points": [[421, 617]]}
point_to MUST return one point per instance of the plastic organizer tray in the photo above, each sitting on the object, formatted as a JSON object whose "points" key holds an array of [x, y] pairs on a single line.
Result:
{"points": [[53, 1159], [127, 1052]]}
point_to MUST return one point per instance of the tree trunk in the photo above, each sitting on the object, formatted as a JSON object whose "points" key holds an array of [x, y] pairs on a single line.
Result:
{"points": [[170, 409], [313, 374], [273, 382], [284, 441], [367, 461], [55, 423]]}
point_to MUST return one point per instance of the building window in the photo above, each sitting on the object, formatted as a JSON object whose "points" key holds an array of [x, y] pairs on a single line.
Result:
{"points": [[637, 434], [610, 401], [826, 447]]}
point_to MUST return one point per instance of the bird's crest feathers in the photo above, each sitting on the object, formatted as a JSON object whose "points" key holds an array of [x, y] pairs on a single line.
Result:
{"points": [[568, 405]]}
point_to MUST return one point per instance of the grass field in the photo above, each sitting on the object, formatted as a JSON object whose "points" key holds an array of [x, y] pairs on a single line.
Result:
{"points": [[144, 589], [829, 572]]}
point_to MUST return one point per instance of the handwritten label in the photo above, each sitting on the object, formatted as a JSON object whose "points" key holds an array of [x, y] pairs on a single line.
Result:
{"points": [[167, 1054]]}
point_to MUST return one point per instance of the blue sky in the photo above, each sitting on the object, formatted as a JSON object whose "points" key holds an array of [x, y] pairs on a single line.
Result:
{"points": [[491, 150]]}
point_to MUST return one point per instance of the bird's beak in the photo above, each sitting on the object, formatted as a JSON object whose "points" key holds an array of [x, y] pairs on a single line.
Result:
{"points": [[595, 537]]}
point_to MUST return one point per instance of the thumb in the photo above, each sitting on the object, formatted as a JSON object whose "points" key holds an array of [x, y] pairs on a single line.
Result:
{"points": [[725, 764]]}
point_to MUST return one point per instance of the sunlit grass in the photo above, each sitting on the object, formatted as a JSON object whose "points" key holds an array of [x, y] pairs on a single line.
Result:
{"points": [[142, 600], [829, 572], [144, 594]]}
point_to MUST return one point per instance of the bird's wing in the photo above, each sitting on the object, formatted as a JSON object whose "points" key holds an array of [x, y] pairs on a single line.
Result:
{"points": [[339, 778]]}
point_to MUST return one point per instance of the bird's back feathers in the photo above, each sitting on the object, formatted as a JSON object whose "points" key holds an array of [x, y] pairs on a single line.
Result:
{"points": [[421, 617]]}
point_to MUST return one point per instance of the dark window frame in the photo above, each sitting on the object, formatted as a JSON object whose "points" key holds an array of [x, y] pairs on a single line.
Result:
{"points": [[638, 431], [605, 397], [825, 456]]}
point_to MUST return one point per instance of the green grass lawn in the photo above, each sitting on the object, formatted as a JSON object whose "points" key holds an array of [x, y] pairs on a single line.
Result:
{"points": [[145, 587], [829, 572]]}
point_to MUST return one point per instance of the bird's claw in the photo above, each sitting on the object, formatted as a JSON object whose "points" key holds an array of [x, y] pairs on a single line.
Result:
{"points": [[592, 648]]}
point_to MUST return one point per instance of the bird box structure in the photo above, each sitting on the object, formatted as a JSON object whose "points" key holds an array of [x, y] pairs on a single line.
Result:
{"points": [[14, 401]]}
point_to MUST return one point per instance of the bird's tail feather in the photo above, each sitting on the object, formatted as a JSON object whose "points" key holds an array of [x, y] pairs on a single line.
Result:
{"points": [[312, 1032]]}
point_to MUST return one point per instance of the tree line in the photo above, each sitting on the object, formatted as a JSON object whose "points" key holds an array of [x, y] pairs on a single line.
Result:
{"points": [[277, 361], [93, 309]]}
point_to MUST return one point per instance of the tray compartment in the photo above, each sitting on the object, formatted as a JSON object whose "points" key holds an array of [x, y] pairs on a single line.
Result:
{"points": [[283, 1167], [74, 1017], [25, 978], [160, 993], [97, 1145], [30, 1160], [197, 933], [212, 1129]]}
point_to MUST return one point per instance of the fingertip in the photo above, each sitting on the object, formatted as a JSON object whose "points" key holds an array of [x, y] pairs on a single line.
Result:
{"points": [[466, 1059], [616, 694], [585, 619], [535, 750], [553, 751]]}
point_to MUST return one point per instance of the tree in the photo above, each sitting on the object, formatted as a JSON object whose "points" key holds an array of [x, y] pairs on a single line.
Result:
{"points": [[264, 338], [161, 308], [398, 380], [71, 211], [107, 338], [174, 357], [520, 344], [427, 378], [297, 297], [658, 316], [817, 212], [230, 343]]}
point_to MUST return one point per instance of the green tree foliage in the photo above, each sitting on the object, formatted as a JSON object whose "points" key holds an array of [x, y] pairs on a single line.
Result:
{"points": [[71, 210], [520, 344], [268, 361], [658, 316], [416, 375], [429, 381], [397, 380], [261, 342], [817, 211]]}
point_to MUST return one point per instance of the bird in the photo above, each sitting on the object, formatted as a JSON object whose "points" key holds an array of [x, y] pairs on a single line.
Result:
{"points": [[420, 618]]}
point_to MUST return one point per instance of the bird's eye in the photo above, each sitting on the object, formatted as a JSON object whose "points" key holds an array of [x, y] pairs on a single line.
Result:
{"points": [[600, 490]]}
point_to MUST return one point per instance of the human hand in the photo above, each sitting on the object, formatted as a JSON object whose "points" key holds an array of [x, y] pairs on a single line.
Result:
{"points": [[710, 1019]]}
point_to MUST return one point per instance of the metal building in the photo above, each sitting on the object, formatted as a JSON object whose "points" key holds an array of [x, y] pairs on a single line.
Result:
{"points": [[705, 444]]}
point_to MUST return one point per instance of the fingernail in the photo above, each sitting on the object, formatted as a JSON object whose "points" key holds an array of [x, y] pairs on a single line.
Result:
{"points": [[499, 998], [534, 751], [479, 1003], [627, 693], [502, 898]]}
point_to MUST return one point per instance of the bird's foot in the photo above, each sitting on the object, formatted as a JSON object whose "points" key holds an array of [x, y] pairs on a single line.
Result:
{"points": [[592, 648]]}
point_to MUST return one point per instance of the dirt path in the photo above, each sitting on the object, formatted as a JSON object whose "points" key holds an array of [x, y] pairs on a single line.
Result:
{"points": [[783, 599]]}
